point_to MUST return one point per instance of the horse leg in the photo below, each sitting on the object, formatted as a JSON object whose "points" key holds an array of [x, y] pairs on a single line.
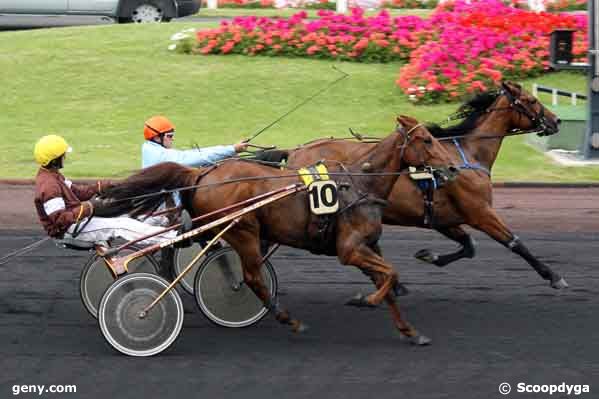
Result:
{"points": [[372, 265], [399, 289], [490, 223], [248, 248], [403, 326], [384, 278], [456, 234]]}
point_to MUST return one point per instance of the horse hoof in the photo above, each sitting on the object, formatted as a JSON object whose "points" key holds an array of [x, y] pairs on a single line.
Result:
{"points": [[426, 255], [301, 327], [360, 301], [420, 340], [400, 289], [559, 284]]}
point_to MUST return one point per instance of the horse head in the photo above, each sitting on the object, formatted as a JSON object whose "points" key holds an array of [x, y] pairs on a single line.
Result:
{"points": [[530, 113], [419, 147]]}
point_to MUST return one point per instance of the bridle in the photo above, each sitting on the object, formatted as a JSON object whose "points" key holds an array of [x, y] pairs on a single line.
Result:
{"points": [[407, 136], [538, 119]]}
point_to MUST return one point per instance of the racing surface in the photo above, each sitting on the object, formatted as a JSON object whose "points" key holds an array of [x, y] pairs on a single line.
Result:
{"points": [[492, 319]]}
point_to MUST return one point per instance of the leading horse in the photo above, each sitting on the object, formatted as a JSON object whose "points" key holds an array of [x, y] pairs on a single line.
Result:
{"points": [[474, 145], [352, 235]]}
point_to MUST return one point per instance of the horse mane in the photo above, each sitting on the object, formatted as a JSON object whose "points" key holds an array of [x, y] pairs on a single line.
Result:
{"points": [[470, 111]]}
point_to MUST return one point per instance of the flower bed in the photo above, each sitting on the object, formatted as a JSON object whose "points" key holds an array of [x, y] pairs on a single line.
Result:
{"points": [[342, 37], [480, 44], [462, 48]]}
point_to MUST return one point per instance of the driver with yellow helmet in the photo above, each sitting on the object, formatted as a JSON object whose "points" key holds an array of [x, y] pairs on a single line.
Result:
{"points": [[65, 209]]}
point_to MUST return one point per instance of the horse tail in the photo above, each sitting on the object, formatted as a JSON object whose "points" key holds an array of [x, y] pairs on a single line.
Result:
{"points": [[148, 183]]}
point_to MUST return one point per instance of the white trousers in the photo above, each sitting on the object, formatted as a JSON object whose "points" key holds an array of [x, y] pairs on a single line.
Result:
{"points": [[104, 229]]}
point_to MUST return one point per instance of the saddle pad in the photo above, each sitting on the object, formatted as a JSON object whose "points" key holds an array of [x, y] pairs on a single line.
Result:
{"points": [[415, 175], [323, 196], [312, 173]]}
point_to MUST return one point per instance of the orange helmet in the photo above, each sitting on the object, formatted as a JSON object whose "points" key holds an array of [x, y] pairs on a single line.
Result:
{"points": [[157, 125]]}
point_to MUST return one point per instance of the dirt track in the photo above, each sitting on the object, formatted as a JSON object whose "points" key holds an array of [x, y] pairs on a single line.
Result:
{"points": [[492, 320]]}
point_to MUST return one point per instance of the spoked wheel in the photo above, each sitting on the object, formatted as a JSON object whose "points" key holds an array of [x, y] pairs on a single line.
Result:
{"points": [[96, 277], [222, 295], [182, 258], [124, 324]]}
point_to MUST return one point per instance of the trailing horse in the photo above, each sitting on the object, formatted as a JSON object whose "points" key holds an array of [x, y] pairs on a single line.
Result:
{"points": [[474, 145], [352, 234]]}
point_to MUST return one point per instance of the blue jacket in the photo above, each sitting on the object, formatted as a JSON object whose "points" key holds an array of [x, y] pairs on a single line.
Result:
{"points": [[153, 153]]}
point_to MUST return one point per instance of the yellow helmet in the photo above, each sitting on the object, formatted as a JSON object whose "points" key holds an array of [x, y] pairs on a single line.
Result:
{"points": [[50, 147]]}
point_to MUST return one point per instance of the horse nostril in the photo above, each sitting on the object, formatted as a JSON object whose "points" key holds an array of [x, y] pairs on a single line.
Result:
{"points": [[558, 121]]}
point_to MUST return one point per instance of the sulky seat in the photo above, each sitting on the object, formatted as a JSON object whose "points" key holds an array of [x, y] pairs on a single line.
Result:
{"points": [[73, 243]]}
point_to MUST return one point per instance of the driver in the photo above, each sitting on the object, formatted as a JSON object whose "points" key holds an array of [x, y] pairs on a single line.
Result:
{"points": [[66, 209], [159, 134]]}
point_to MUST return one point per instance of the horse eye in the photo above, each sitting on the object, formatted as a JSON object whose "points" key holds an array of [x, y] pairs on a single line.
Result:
{"points": [[428, 141]]}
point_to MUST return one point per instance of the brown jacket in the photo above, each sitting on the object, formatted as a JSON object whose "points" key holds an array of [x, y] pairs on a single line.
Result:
{"points": [[59, 202]]}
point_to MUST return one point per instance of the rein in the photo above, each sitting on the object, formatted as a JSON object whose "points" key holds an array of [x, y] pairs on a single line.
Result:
{"points": [[197, 186], [497, 136], [23, 250], [256, 178], [373, 140]]}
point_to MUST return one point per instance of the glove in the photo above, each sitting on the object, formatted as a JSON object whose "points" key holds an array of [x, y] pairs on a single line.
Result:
{"points": [[108, 208], [104, 185], [241, 146]]}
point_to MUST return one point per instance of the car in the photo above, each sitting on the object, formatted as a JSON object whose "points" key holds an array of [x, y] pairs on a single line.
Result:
{"points": [[120, 10]]}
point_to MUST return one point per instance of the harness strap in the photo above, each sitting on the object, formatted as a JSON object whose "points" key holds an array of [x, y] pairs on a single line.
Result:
{"points": [[78, 227], [189, 193], [467, 164], [428, 184], [429, 203]]}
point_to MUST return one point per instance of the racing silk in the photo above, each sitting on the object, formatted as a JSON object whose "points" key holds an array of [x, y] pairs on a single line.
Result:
{"points": [[58, 201], [153, 153]]}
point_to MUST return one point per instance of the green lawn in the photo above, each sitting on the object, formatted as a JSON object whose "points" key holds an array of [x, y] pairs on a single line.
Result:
{"points": [[96, 85], [287, 12]]}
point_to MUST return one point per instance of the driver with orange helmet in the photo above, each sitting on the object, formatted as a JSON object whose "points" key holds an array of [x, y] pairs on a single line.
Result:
{"points": [[159, 133]]}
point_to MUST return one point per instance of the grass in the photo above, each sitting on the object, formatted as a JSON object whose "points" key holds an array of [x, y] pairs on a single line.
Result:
{"points": [[96, 85], [287, 12]]}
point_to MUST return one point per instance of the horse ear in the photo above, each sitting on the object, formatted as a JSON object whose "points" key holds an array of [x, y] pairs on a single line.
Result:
{"points": [[406, 120]]}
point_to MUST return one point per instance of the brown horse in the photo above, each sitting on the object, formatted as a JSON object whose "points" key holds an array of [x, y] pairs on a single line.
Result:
{"points": [[352, 234], [489, 117]]}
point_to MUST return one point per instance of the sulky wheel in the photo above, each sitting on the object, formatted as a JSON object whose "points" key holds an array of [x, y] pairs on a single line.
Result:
{"points": [[221, 294], [96, 277], [182, 258], [127, 328]]}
